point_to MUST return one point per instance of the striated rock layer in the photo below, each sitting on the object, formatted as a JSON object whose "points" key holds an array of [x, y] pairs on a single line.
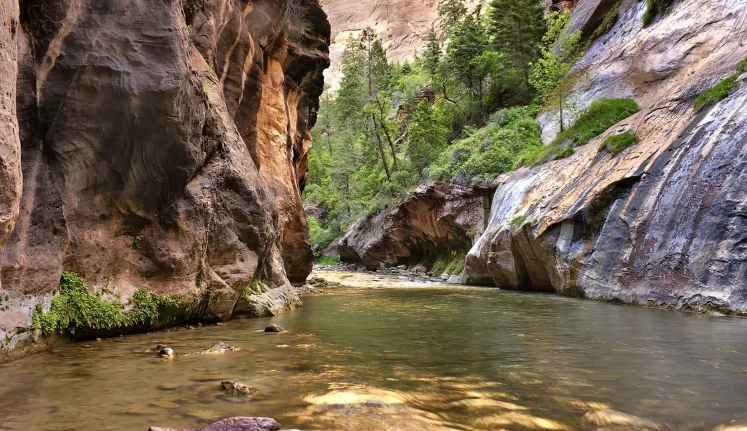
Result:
{"points": [[665, 222], [437, 219], [403, 26], [163, 147]]}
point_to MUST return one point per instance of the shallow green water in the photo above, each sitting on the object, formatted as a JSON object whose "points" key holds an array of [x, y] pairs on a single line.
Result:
{"points": [[397, 357]]}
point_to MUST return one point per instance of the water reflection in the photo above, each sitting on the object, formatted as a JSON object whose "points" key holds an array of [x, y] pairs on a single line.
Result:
{"points": [[391, 355]]}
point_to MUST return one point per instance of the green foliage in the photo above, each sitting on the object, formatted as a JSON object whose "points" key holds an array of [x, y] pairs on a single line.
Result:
{"points": [[449, 264], [596, 119], [715, 94], [75, 308], [432, 55], [616, 144], [320, 237], [517, 221], [592, 122], [493, 150], [609, 21], [451, 13], [654, 8], [722, 90], [328, 260], [136, 242], [517, 28]]}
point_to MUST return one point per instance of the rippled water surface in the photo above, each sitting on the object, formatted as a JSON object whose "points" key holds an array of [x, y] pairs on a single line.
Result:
{"points": [[388, 355]]}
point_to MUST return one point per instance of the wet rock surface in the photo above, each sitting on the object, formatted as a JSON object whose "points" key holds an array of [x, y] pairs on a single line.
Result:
{"points": [[162, 148], [662, 223], [234, 424]]}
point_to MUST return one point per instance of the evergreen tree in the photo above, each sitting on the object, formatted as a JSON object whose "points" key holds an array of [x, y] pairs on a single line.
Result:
{"points": [[432, 55], [468, 42], [517, 28], [451, 13]]}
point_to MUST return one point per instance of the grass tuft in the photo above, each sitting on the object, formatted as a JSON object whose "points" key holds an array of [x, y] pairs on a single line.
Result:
{"points": [[616, 144], [328, 260], [715, 94]]}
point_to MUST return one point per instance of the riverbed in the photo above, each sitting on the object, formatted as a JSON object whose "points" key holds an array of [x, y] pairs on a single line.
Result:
{"points": [[386, 353]]}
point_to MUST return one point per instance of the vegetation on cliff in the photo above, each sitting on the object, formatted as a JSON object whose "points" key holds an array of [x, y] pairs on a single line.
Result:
{"points": [[463, 110], [77, 309]]}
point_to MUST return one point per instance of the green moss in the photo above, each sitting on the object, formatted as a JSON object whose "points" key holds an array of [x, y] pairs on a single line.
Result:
{"points": [[517, 221], [715, 94], [616, 144], [136, 242], [77, 309], [741, 68], [609, 21], [566, 152], [654, 8], [328, 260]]}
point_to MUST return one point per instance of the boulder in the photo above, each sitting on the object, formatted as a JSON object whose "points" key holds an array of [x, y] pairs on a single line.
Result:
{"points": [[274, 328]]}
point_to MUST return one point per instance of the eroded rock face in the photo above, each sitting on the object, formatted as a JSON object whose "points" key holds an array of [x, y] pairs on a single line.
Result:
{"points": [[155, 155], [403, 26], [663, 223], [435, 219]]}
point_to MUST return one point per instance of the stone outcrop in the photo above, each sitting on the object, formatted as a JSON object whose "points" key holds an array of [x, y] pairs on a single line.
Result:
{"points": [[663, 223], [436, 219], [163, 147]]}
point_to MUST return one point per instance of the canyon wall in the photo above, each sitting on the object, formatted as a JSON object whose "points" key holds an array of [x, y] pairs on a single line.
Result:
{"points": [[163, 147], [663, 223], [403, 26]]}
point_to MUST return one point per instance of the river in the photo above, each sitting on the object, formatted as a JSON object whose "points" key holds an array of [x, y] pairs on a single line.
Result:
{"points": [[386, 354]]}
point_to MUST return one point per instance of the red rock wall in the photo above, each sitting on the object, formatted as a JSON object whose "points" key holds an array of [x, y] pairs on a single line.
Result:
{"points": [[146, 160]]}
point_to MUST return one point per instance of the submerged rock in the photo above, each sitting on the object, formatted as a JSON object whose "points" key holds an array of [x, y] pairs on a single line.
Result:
{"points": [[274, 328], [217, 349], [615, 418], [236, 389], [233, 424]]}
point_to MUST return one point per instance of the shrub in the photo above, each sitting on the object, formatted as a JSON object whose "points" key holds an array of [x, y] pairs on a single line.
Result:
{"points": [[320, 237], [592, 122], [616, 144], [75, 308], [596, 119], [328, 260], [492, 150], [654, 8], [715, 94]]}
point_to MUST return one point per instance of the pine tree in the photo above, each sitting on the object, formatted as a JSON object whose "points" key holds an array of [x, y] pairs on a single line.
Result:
{"points": [[451, 12], [432, 55], [468, 42], [517, 27]]}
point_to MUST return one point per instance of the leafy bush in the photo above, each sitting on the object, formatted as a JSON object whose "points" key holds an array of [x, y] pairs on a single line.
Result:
{"points": [[654, 8], [320, 237], [328, 260], [449, 264], [592, 122], [616, 144], [76, 308], [492, 150]]}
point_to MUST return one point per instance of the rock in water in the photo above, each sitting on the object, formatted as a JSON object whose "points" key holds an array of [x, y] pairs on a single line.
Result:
{"points": [[233, 424], [218, 348], [274, 328], [236, 389], [166, 352], [615, 418]]}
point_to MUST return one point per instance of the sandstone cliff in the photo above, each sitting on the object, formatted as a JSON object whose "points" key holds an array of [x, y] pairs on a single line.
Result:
{"points": [[163, 147], [663, 223], [402, 25]]}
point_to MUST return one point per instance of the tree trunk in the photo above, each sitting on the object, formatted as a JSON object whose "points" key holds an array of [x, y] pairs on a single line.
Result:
{"points": [[381, 149]]}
